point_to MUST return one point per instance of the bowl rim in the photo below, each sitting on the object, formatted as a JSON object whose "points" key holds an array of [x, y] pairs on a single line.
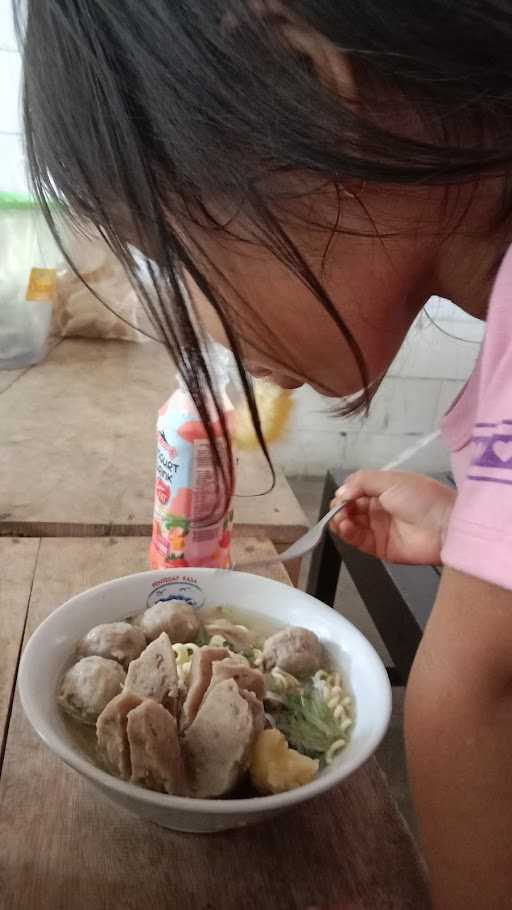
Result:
{"points": [[249, 805]]}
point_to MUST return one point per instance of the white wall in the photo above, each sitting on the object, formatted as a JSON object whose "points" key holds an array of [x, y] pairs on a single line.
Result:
{"points": [[426, 376], [12, 175]]}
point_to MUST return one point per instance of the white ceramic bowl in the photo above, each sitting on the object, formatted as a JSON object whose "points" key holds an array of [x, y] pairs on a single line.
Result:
{"points": [[51, 646]]}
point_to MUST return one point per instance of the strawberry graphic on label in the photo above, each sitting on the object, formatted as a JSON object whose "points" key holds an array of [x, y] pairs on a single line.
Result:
{"points": [[189, 512], [177, 562], [225, 540], [182, 502], [163, 491], [193, 430]]}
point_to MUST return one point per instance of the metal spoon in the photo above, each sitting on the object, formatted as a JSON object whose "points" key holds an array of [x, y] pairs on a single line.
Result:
{"points": [[312, 538]]}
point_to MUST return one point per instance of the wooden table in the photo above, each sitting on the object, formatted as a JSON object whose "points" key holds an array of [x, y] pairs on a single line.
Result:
{"points": [[78, 442], [62, 847]]}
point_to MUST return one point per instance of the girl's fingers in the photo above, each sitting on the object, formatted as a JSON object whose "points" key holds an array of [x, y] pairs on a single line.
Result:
{"points": [[360, 506], [361, 521], [354, 514], [358, 534], [351, 507], [353, 524], [368, 483], [347, 530]]}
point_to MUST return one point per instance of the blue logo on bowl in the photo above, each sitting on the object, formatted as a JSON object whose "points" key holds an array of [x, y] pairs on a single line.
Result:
{"points": [[185, 591]]}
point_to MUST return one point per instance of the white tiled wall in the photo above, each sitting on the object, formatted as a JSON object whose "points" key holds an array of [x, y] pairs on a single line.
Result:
{"points": [[426, 376], [7, 37], [12, 173]]}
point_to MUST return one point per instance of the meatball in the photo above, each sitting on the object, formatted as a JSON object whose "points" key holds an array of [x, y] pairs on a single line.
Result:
{"points": [[115, 640], [295, 650], [176, 618], [89, 686]]}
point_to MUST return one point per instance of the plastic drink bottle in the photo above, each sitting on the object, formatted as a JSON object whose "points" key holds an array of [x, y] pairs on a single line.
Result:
{"points": [[190, 525]]}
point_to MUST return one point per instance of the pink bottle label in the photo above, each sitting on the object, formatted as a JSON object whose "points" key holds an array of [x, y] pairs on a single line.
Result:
{"points": [[187, 527]]}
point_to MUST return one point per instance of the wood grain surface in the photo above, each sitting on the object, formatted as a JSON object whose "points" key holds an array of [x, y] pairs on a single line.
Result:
{"points": [[9, 377], [65, 848], [17, 566], [83, 424]]}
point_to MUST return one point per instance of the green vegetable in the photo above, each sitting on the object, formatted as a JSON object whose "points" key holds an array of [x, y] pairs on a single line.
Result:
{"points": [[176, 521], [307, 722], [228, 613], [202, 637]]}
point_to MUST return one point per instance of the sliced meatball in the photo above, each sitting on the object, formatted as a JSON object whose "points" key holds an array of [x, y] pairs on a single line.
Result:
{"points": [[179, 620], [217, 747], [155, 754], [256, 708], [244, 676], [295, 650], [111, 735], [154, 674], [238, 636], [88, 686], [114, 640], [200, 678]]}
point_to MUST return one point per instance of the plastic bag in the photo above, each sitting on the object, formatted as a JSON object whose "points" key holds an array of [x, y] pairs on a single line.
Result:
{"points": [[78, 312], [25, 245]]}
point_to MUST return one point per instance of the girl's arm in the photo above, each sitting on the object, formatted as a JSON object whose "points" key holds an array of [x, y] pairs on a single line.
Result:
{"points": [[459, 742], [459, 698]]}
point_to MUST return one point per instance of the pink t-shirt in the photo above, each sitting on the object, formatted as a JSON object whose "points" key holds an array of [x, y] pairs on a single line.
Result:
{"points": [[478, 430]]}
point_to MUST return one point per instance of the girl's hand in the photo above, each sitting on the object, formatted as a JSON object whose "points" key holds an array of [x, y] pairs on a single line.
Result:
{"points": [[396, 516]]}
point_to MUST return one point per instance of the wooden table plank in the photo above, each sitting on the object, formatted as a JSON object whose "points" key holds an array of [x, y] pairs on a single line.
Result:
{"points": [[83, 423], [17, 565], [65, 848], [9, 377], [277, 513], [69, 565]]}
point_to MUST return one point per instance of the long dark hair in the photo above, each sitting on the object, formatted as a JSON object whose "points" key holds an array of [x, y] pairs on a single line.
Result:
{"points": [[134, 110]]}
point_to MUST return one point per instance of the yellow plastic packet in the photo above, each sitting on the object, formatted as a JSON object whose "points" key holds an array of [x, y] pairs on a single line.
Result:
{"points": [[275, 406], [42, 285]]}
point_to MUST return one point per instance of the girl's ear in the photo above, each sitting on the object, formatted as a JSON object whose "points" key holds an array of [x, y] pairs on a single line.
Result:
{"points": [[329, 63]]}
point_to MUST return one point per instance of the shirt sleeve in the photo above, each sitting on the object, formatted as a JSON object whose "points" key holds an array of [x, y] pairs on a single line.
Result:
{"points": [[479, 537]]}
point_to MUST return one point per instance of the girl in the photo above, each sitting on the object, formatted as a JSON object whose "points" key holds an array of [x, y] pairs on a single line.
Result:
{"points": [[306, 173]]}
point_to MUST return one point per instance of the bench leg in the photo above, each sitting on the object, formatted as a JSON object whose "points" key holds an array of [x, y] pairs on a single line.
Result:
{"points": [[387, 607], [382, 599], [326, 560]]}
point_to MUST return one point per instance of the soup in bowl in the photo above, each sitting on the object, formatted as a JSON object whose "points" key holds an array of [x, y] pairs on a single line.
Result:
{"points": [[207, 700]]}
